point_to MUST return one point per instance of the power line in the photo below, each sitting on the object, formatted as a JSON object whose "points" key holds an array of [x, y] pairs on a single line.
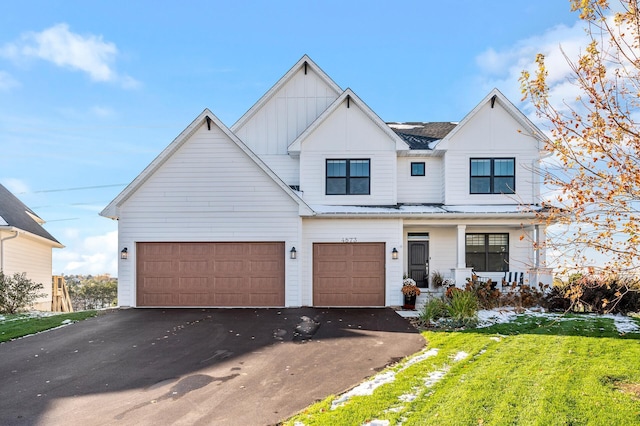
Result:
{"points": [[80, 188]]}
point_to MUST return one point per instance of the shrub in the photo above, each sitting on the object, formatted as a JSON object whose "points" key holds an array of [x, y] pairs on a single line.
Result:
{"points": [[17, 292], [463, 309], [434, 309], [486, 292], [597, 294]]}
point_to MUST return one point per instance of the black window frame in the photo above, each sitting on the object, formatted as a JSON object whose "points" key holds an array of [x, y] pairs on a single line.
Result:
{"points": [[492, 177], [500, 257], [348, 176], [418, 163]]}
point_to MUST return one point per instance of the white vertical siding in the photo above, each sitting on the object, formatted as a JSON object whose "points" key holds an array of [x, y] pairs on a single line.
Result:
{"points": [[283, 117], [348, 133], [361, 230], [420, 189], [26, 254], [208, 190], [493, 132]]}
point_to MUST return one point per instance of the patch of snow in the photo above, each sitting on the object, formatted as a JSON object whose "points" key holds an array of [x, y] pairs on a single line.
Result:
{"points": [[365, 389], [419, 358], [624, 324], [67, 321], [435, 376], [378, 423], [404, 126], [488, 318], [460, 356]]}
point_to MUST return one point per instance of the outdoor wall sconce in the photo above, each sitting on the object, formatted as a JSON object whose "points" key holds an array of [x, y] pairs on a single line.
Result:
{"points": [[293, 253], [124, 254], [394, 253]]}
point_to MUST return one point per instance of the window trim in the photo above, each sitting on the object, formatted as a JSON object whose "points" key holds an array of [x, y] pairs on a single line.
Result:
{"points": [[492, 176], [505, 266], [347, 176], [423, 168]]}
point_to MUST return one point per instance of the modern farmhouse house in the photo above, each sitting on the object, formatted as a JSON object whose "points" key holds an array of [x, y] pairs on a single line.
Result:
{"points": [[311, 199]]}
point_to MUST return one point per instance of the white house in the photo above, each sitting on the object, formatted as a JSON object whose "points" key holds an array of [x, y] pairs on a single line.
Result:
{"points": [[311, 199], [25, 246]]}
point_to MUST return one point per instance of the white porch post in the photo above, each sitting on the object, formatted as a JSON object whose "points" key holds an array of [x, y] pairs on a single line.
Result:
{"points": [[461, 272], [461, 261]]}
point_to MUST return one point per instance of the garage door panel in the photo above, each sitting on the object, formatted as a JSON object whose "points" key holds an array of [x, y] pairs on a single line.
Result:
{"points": [[348, 274], [158, 267], [157, 284], [210, 274], [229, 268], [193, 266], [193, 284]]}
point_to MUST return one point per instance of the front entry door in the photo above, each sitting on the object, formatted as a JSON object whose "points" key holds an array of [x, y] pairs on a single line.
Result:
{"points": [[419, 262]]}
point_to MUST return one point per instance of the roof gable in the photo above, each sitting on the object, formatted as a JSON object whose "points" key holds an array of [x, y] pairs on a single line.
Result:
{"points": [[14, 213], [349, 97], [210, 119], [495, 96], [304, 62]]}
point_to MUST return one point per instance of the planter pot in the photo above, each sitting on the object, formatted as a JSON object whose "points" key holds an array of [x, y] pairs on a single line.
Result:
{"points": [[409, 302]]}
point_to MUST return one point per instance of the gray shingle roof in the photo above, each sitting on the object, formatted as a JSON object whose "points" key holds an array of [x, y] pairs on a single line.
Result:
{"points": [[418, 134], [15, 213]]}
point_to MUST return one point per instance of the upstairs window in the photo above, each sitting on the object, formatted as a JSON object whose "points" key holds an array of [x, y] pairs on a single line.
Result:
{"points": [[487, 252], [493, 176], [348, 177], [417, 169]]}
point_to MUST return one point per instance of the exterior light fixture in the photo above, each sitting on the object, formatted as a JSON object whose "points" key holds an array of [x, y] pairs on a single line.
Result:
{"points": [[293, 253], [394, 253], [124, 254]]}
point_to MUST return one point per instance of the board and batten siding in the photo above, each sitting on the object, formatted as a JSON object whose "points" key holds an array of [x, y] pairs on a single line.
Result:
{"points": [[208, 190], [33, 257], [283, 117], [493, 133], [420, 189], [388, 231], [348, 133]]}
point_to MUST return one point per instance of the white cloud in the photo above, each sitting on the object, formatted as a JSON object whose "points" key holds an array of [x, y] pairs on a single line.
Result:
{"points": [[93, 255], [502, 68], [7, 82], [58, 45]]}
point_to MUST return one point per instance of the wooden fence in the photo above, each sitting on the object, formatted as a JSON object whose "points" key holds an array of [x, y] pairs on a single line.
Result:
{"points": [[60, 300]]}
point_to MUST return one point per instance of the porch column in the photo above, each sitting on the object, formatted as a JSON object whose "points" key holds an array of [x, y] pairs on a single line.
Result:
{"points": [[461, 258], [461, 272]]}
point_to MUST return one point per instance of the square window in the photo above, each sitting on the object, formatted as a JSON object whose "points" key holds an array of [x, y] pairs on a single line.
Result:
{"points": [[417, 169], [487, 252], [347, 177], [492, 176]]}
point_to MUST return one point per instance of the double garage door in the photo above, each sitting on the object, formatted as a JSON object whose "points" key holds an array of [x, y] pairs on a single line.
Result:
{"points": [[210, 274], [253, 274]]}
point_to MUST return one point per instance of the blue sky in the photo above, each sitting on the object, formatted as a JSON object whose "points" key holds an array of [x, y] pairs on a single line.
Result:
{"points": [[91, 92]]}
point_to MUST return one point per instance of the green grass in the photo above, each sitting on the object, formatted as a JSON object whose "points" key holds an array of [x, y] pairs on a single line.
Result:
{"points": [[534, 371], [19, 325]]}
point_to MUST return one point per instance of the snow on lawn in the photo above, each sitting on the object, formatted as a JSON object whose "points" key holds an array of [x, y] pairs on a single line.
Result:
{"points": [[488, 318]]}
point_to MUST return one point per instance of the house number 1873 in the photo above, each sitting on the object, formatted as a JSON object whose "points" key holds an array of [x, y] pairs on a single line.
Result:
{"points": [[349, 240]]}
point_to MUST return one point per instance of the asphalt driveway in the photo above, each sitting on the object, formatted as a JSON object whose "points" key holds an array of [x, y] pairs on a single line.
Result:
{"points": [[195, 366]]}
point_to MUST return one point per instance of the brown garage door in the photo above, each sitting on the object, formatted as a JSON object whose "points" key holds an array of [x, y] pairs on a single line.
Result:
{"points": [[348, 274], [210, 274]]}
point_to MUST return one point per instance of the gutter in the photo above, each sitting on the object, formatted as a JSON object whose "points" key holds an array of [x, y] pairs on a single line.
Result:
{"points": [[2, 240]]}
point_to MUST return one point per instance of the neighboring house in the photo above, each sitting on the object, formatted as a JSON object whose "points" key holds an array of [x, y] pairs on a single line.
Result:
{"points": [[25, 246], [310, 199]]}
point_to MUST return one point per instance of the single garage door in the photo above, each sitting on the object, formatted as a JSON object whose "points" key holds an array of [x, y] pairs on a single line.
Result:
{"points": [[350, 274], [210, 274]]}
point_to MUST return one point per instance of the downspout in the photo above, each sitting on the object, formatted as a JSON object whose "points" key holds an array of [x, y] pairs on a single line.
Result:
{"points": [[2, 240]]}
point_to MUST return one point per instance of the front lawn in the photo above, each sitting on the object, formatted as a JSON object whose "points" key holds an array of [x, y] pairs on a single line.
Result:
{"points": [[19, 325], [570, 370]]}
